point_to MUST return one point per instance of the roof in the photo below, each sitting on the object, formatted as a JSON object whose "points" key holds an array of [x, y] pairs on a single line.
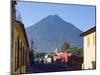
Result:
{"points": [[88, 31]]}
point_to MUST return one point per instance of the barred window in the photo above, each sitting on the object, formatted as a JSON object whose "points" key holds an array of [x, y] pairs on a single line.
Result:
{"points": [[16, 45], [23, 54], [17, 65], [88, 41], [94, 39]]}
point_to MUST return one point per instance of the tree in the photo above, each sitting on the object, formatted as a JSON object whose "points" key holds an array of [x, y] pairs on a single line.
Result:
{"points": [[65, 46], [76, 51]]}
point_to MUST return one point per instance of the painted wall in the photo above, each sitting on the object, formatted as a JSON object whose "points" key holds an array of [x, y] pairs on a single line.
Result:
{"points": [[17, 32], [89, 50]]}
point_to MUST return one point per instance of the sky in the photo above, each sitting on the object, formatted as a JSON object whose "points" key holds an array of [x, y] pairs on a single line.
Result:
{"points": [[82, 16]]}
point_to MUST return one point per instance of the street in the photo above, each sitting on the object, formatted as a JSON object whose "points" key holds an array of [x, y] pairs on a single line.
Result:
{"points": [[41, 68]]}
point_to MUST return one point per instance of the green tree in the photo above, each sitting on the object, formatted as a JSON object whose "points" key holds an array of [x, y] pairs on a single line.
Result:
{"points": [[76, 51], [65, 46]]}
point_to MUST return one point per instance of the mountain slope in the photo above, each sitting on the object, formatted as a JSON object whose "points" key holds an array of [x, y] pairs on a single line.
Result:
{"points": [[50, 32]]}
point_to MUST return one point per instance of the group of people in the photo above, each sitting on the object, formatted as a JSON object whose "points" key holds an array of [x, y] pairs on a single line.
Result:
{"points": [[61, 57], [44, 60]]}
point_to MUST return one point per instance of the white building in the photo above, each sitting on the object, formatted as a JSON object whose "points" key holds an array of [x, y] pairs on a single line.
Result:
{"points": [[89, 48]]}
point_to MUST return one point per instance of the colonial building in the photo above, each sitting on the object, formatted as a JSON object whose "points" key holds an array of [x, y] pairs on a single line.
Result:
{"points": [[20, 46], [89, 48]]}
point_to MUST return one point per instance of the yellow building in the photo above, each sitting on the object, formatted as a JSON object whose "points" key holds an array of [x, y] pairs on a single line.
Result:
{"points": [[20, 46], [89, 48]]}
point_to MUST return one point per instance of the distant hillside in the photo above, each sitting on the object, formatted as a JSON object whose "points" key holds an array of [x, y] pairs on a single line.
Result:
{"points": [[50, 32]]}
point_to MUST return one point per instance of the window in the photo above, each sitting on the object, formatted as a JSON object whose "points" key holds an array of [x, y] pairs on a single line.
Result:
{"points": [[26, 56], [17, 52], [23, 54], [94, 39], [88, 41], [16, 45]]}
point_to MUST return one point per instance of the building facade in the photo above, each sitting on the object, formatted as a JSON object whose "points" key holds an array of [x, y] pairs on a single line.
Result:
{"points": [[20, 46], [89, 48]]}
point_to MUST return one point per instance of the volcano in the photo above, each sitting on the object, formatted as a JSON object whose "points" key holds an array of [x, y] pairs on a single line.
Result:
{"points": [[51, 32]]}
